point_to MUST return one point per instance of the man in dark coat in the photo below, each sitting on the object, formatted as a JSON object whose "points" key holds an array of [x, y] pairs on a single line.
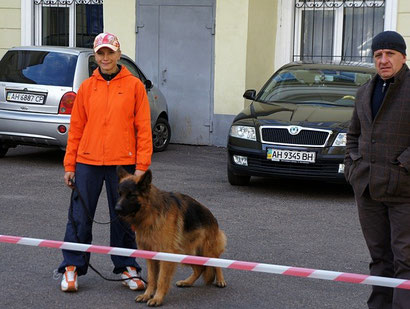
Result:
{"points": [[377, 165]]}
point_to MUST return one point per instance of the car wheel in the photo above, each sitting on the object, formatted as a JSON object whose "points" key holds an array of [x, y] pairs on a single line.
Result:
{"points": [[3, 151], [161, 134], [238, 180]]}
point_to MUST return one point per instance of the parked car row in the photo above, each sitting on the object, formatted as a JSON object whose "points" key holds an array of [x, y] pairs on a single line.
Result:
{"points": [[296, 125], [38, 86]]}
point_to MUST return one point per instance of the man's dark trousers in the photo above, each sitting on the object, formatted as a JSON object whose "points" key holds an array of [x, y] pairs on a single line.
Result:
{"points": [[386, 229]]}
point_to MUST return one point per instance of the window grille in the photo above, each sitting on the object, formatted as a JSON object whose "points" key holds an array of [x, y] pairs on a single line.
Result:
{"points": [[336, 30], [68, 22], [67, 2]]}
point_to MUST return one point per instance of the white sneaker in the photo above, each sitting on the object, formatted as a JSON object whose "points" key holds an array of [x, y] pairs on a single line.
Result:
{"points": [[69, 282], [134, 284]]}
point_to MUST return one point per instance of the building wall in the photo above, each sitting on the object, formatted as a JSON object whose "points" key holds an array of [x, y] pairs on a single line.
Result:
{"points": [[231, 39], [244, 56], [10, 25], [120, 19], [262, 25], [245, 36], [403, 24]]}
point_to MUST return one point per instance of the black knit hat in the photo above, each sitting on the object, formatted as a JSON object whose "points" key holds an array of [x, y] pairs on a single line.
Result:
{"points": [[389, 40]]}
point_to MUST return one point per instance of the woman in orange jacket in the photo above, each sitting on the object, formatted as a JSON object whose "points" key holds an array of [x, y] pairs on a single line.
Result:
{"points": [[110, 125]]}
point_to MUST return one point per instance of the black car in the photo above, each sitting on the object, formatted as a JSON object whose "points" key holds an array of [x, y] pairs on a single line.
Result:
{"points": [[296, 125]]}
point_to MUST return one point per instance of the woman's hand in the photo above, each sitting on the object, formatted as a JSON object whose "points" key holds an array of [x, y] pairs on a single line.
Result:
{"points": [[139, 173], [68, 179]]}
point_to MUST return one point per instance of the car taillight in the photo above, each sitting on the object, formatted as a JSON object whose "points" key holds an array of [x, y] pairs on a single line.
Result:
{"points": [[67, 103]]}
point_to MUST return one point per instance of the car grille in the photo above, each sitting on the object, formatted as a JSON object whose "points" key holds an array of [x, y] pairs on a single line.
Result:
{"points": [[306, 137], [285, 168]]}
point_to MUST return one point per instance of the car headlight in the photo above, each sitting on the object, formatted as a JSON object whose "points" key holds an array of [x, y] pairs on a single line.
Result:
{"points": [[340, 140], [244, 132]]}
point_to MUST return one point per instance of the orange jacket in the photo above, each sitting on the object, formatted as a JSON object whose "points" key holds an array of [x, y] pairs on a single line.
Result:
{"points": [[110, 123]]}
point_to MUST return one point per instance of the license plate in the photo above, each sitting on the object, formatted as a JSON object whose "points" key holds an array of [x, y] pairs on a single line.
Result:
{"points": [[291, 156], [22, 97]]}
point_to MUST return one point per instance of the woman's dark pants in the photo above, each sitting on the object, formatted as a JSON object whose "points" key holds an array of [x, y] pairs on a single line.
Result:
{"points": [[89, 180]]}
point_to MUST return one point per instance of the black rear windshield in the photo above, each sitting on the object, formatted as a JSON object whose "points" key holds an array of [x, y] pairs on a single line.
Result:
{"points": [[38, 67]]}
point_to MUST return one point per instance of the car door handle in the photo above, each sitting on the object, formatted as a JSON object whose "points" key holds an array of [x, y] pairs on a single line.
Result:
{"points": [[164, 76]]}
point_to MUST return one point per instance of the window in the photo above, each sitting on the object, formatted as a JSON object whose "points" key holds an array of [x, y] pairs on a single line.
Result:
{"points": [[132, 68], [67, 22], [328, 30], [38, 67]]}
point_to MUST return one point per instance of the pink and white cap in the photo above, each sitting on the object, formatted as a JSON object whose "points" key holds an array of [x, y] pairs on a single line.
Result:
{"points": [[106, 39]]}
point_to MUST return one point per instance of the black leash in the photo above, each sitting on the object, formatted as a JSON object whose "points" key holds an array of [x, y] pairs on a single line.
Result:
{"points": [[85, 207], [71, 217]]}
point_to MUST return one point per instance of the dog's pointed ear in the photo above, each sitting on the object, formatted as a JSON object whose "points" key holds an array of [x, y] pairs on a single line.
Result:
{"points": [[121, 172], [145, 180]]}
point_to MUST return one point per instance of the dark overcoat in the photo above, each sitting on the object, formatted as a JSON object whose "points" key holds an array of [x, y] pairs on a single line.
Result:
{"points": [[378, 150]]}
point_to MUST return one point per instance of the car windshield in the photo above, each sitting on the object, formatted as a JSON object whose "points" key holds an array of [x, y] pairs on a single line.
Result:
{"points": [[38, 67], [316, 86]]}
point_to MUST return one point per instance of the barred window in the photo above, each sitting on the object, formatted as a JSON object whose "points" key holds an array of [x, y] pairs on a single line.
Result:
{"points": [[67, 22], [329, 30]]}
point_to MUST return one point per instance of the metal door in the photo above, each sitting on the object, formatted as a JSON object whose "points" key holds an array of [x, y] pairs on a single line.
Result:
{"points": [[175, 50]]}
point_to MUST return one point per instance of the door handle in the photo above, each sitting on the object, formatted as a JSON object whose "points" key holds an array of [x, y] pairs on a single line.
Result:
{"points": [[164, 76]]}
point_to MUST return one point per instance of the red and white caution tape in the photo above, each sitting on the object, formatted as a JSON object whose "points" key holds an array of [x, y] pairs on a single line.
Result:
{"points": [[206, 261]]}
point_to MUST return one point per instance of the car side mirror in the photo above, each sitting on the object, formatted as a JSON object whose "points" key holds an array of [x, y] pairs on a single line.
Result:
{"points": [[250, 94], [148, 84]]}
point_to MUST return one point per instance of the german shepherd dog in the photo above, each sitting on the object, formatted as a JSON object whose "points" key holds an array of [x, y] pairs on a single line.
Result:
{"points": [[169, 222]]}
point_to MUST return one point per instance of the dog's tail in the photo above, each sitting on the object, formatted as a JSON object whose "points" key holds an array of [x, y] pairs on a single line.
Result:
{"points": [[215, 249]]}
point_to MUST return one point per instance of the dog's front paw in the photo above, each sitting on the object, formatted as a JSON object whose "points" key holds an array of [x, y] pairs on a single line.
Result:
{"points": [[183, 284], [221, 284], [155, 302], [143, 298]]}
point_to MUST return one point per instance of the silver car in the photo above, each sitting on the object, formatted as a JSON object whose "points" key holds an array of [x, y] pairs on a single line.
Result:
{"points": [[38, 85]]}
